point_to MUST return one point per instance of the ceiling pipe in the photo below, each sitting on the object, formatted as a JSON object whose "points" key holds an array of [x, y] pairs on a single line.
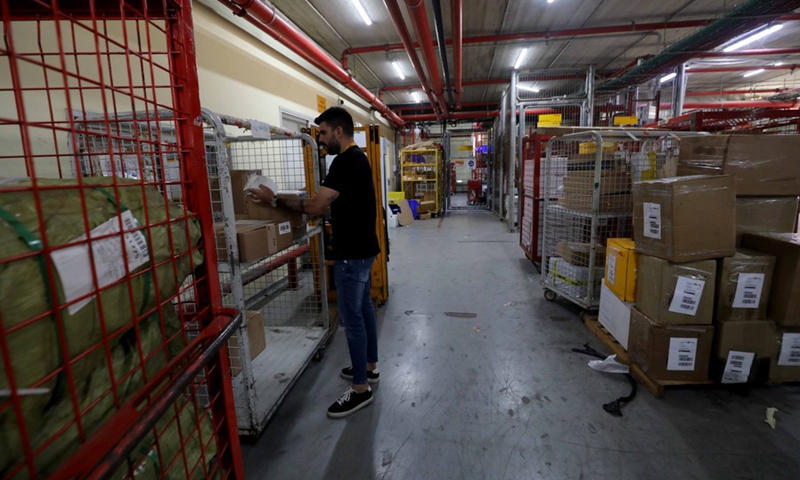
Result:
{"points": [[419, 20], [738, 21], [457, 13], [738, 69], [405, 37], [764, 52], [265, 19], [439, 28], [406, 107], [720, 93], [731, 105], [429, 117]]}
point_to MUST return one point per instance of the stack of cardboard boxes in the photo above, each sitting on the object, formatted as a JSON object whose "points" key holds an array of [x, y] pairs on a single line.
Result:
{"points": [[260, 229], [705, 309]]}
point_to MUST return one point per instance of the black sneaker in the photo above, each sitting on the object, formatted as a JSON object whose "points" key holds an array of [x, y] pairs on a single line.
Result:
{"points": [[373, 376], [350, 402]]}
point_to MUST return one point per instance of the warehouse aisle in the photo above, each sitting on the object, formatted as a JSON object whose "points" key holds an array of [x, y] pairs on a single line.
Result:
{"points": [[478, 381]]}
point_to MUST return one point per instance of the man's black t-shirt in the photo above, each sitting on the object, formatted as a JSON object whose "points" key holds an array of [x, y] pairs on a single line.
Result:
{"points": [[353, 213]]}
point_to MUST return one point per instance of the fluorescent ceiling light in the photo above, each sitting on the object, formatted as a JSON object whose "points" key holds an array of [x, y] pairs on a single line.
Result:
{"points": [[530, 89], [666, 78], [398, 70], [778, 64], [520, 58], [752, 38], [417, 98], [362, 12], [754, 72], [550, 1]]}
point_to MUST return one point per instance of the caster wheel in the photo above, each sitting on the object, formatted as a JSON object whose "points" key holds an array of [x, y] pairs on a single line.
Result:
{"points": [[583, 315], [319, 354], [550, 295]]}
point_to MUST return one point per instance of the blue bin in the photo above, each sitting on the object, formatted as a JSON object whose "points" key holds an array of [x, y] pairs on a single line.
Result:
{"points": [[414, 204]]}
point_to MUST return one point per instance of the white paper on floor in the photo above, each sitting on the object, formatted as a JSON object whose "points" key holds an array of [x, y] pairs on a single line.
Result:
{"points": [[609, 365], [770, 420]]}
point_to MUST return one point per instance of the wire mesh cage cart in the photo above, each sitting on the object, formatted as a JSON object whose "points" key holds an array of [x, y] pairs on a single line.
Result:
{"points": [[588, 179], [270, 261], [105, 369]]}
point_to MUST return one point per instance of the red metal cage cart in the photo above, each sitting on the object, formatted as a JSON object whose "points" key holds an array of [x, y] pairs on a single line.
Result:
{"points": [[106, 368]]}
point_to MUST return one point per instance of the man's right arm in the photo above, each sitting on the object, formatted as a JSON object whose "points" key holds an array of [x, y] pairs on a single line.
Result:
{"points": [[315, 206]]}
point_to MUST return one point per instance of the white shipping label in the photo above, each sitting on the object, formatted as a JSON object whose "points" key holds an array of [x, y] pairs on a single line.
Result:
{"points": [[74, 264], [738, 366], [688, 292], [652, 220], [260, 130], [682, 354], [790, 350], [611, 267], [748, 290], [284, 228]]}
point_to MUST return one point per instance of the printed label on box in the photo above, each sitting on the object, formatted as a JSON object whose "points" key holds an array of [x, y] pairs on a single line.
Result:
{"points": [[738, 366], [652, 220], [260, 130], [682, 353], [611, 267], [688, 292], [790, 350], [748, 290], [284, 228], [74, 265]]}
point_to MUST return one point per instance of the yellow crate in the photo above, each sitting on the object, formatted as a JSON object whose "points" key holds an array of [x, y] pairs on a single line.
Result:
{"points": [[395, 197], [591, 147]]}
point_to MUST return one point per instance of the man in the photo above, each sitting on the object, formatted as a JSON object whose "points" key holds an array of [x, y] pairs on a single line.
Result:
{"points": [[349, 191]]}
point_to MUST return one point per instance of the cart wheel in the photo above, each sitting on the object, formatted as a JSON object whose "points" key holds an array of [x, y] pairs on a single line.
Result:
{"points": [[583, 315], [550, 295], [319, 354]]}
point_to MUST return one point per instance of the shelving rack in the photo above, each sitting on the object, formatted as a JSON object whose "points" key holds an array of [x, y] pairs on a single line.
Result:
{"points": [[286, 286], [422, 174]]}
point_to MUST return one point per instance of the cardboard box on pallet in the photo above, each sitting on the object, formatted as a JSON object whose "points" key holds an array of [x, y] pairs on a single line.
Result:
{"points": [[785, 366], [251, 237], [763, 165], [670, 352], [256, 340], [743, 351], [685, 219], [743, 285], [765, 215], [621, 268], [615, 315], [784, 296], [676, 293]]}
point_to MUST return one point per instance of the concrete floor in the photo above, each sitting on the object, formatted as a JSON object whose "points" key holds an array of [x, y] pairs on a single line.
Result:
{"points": [[478, 382]]}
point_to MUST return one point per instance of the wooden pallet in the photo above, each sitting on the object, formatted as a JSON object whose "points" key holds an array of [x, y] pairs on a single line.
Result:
{"points": [[656, 387]]}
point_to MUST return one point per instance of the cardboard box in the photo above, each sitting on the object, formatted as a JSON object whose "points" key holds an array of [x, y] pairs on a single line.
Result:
{"points": [[578, 253], [763, 165], [425, 216], [611, 181], [579, 228], [756, 337], [427, 206], [279, 236], [784, 296], [765, 215], [406, 217], [615, 202], [743, 284], [615, 315], [238, 181], [785, 365], [684, 219], [574, 280], [256, 340], [621, 266], [676, 293], [299, 221], [670, 352], [251, 238]]}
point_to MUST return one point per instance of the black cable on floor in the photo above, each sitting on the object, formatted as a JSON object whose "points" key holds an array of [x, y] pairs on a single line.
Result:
{"points": [[613, 407]]}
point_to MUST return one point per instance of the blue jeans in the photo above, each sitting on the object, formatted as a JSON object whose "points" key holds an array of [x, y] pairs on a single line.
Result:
{"points": [[356, 313]]}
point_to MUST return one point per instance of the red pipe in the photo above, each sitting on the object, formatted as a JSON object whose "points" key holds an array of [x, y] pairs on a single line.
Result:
{"points": [[405, 38], [401, 108], [735, 104], [734, 92], [264, 18], [419, 19], [472, 83], [427, 117], [750, 53], [739, 69], [457, 10]]}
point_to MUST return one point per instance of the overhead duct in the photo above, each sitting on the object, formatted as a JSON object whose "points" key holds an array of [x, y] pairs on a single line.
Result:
{"points": [[738, 22]]}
